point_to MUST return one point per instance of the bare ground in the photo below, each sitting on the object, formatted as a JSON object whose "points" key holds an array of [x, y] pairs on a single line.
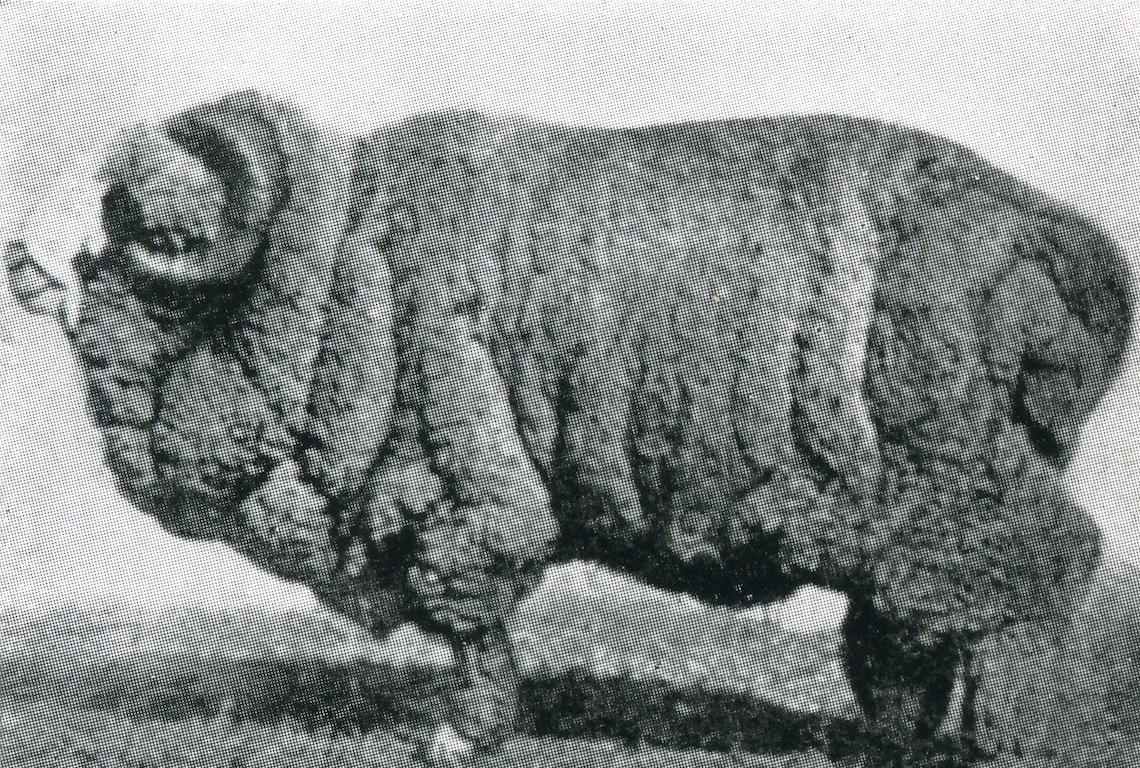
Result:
{"points": [[610, 681]]}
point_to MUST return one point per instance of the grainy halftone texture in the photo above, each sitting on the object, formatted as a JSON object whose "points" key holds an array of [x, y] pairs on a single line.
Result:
{"points": [[411, 369], [733, 358]]}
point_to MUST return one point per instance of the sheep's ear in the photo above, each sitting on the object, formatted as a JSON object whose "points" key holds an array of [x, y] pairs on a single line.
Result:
{"points": [[190, 201]]}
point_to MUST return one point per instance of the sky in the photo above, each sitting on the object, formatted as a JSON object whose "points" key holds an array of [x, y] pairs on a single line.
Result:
{"points": [[1048, 90]]}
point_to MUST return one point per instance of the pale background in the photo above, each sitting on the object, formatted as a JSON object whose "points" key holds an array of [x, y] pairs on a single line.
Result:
{"points": [[1049, 90]]}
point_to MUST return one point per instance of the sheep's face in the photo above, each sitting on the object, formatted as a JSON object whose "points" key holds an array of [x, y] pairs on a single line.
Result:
{"points": [[159, 314], [199, 322]]}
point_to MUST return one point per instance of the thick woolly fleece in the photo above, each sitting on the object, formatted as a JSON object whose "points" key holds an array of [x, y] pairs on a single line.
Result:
{"points": [[805, 350]]}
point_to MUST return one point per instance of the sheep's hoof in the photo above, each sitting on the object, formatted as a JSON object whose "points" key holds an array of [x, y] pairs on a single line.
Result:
{"points": [[448, 748]]}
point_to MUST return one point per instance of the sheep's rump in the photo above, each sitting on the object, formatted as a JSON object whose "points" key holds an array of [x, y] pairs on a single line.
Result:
{"points": [[803, 349]]}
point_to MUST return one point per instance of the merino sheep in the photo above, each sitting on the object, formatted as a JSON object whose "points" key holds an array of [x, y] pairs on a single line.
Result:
{"points": [[733, 358]]}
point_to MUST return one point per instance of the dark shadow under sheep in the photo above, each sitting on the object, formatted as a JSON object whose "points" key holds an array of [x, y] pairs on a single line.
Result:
{"points": [[732, 358]]}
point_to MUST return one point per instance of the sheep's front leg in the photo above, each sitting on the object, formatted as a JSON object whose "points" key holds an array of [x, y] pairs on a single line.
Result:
{"points": [[479, 548], [496, 523], [482, 706]]}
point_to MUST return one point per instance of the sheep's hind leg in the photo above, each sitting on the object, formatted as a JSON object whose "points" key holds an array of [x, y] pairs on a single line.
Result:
{"points": [[482, 705], [903, 686]]}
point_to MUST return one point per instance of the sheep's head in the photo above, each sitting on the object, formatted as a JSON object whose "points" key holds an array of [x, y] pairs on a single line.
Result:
{"points": [[202, 320]]}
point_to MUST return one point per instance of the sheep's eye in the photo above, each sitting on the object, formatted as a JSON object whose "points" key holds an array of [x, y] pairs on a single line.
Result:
{"points": [[169, 243]]}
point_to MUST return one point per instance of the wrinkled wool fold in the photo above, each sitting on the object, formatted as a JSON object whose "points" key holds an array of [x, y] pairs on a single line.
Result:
{"points": [[353, 385]]}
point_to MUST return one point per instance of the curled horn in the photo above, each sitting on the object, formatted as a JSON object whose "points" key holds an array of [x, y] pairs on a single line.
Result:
{"points": [[189, 202]]}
